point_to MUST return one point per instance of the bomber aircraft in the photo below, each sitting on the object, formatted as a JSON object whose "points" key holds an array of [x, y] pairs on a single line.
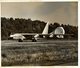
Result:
{"points": [[59, 32]]}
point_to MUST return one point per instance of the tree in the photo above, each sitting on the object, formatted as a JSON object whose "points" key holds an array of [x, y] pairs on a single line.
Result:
{"points": [[10, 25]]}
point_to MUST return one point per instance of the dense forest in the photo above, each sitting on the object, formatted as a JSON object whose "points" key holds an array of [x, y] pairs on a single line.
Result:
{"points": [[21, 25]]}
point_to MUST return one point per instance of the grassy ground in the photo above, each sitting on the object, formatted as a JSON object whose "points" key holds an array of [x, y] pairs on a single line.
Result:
{"points": [[43, 53]]}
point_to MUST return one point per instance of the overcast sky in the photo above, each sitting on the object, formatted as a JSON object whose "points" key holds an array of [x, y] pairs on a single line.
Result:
{"points": [[61, 12]]}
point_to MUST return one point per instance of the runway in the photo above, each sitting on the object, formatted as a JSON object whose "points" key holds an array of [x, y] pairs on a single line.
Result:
{"points": [[29, 42]]}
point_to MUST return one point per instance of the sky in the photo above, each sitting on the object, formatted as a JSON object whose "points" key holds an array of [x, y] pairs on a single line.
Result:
{"points": [[61, 12]]}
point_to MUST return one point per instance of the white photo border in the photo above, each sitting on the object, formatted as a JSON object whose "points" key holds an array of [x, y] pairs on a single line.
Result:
{"points": [[44, 66]]}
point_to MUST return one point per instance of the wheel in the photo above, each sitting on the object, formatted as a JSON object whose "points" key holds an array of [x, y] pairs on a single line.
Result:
{"points": [[34, 40], [20, 40]]}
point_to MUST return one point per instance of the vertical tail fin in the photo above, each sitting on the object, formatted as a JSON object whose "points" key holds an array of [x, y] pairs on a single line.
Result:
{"points": [[45, 31]]}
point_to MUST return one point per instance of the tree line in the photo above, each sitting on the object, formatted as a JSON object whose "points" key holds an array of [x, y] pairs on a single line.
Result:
{"points": [[21, 25]]}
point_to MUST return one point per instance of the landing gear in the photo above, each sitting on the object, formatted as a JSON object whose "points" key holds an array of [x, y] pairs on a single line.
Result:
{"points": [[34, 40], [20, 40]]}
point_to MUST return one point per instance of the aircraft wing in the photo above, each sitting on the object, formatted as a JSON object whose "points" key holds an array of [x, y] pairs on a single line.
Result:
{"points": [[64, 34], [24, 34], [33, 34], [28, 34]]}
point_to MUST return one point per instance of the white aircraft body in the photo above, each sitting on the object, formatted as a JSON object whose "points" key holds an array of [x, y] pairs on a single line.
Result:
{"points": [[21, 36], [17, 36], [59, 32]]}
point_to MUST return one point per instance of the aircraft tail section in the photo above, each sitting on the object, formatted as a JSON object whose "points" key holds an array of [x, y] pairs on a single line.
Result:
{"points": [[45, 31]]}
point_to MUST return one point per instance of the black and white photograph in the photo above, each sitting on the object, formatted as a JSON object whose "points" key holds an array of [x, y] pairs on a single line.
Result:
{"points": [[39, 33]]}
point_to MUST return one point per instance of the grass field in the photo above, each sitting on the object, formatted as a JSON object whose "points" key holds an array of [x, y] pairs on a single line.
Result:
{"points": [[41, 53]]}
